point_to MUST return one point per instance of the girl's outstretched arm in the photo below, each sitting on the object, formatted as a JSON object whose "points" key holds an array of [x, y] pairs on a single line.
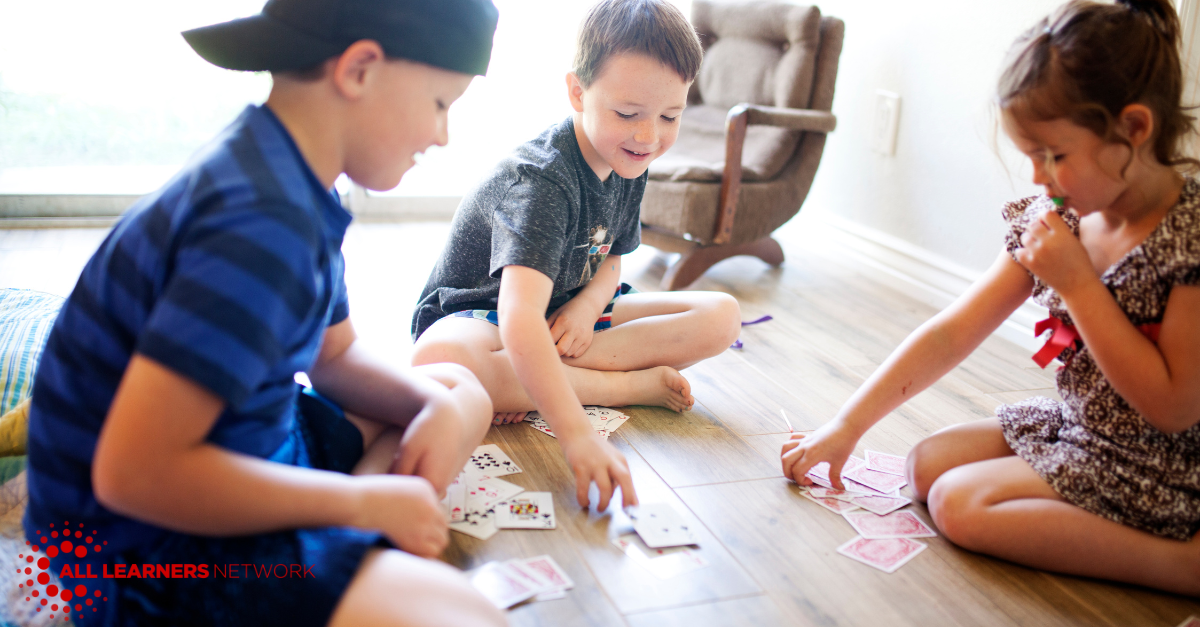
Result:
{"points": [[925, 356]]}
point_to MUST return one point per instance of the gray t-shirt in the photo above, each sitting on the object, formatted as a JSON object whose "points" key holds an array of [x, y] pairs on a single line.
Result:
{"points": [[544, 208]]}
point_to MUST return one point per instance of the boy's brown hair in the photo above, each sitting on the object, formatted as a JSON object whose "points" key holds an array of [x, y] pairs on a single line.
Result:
{"points": [[1087, 61], [655, 28]]}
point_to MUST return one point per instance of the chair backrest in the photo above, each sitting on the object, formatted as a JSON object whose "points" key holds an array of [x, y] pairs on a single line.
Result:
{"points": [[757, 51]]}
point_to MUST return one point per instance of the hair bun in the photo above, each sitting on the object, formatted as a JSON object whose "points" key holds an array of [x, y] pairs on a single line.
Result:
{"points": [[1161, 14]]}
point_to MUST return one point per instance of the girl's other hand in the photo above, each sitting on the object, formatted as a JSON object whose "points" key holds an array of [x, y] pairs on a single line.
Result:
{"points": [[831, 443], [1052, 252]]}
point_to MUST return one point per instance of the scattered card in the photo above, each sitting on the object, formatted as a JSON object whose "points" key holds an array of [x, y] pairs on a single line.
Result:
{"points": [[836, 506], [483, 493], [456, 499], [529, 510], [490, 460], [879, 504], [833, 493], [549, 570], [886, 555], [878, 481], [882, 462], [895, 525], [480, 525], [659, 525], [603, 419], [498, 583], [1190, 621], [663, 563]]}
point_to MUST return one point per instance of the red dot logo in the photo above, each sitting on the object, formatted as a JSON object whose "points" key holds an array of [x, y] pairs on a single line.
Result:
{"points": [[41, 587]]}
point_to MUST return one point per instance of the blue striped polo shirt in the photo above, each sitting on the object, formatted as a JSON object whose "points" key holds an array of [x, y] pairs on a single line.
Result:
{"points": [[229, 276]]}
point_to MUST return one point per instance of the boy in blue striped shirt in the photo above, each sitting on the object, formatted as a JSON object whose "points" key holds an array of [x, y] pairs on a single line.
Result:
{"points": [[165, 420]]}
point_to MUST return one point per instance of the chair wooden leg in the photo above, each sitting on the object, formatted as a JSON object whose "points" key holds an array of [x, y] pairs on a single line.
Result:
{"points": [[693, 263]]}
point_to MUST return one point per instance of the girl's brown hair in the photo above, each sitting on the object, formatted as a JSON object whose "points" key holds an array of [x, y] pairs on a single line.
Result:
{"points": [[1087, 61]]}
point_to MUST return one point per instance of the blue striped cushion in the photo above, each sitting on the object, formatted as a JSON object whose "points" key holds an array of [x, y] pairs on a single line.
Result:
{"points": [[26, 317]]}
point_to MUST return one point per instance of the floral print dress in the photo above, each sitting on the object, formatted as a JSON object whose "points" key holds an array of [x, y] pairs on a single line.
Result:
{"points": [[1093, 448]]}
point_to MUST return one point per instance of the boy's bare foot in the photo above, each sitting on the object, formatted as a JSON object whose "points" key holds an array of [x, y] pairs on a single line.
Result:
{"points": [[503, 418], [662, 386]]}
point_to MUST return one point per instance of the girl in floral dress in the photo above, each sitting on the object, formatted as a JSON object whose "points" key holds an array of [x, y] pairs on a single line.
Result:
{"points": [[1106, 482]]}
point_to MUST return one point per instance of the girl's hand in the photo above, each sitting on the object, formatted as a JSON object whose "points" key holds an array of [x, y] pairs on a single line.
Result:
{"points": [[1052, 252], [593, 459], [572, 327], [831, 443], [406, 510]]}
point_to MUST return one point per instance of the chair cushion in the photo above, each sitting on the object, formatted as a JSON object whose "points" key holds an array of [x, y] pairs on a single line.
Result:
{"points": [[699, 153], [760, 52]]}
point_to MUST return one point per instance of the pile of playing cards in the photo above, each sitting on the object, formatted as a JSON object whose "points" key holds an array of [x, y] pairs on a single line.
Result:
{"points": [[507, 583], [479, 504], [885, 535], [604, 420]]}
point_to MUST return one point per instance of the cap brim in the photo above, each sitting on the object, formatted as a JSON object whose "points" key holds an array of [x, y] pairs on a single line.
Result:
{"points": [[259, 44]]}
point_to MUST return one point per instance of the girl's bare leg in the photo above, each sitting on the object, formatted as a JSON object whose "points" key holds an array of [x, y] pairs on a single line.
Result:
{"points": [[1002, 507], [952, 447]]}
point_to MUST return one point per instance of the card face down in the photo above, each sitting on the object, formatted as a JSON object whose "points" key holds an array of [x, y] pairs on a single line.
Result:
{"points": [[500, 585], [659, 525], [882, 462], [902, 524], [885, 554], [528, 510]]}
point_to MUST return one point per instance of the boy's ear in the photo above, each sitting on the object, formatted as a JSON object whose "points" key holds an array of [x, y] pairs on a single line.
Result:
{"points": [[575, 92], [350, 71], [1136, 124]]}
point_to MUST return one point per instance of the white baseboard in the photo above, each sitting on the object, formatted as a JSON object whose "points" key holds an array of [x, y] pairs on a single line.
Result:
{"points": [[932, 279]]}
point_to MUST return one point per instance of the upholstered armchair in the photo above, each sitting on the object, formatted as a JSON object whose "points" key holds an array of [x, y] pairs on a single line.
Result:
{"points": [[751, 138]]}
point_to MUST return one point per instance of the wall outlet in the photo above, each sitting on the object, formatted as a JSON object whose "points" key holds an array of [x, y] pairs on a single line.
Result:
{"points": [[887, 121]]}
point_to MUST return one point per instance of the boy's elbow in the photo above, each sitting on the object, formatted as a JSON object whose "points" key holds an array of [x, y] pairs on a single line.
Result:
{"points": [[115, 485]]}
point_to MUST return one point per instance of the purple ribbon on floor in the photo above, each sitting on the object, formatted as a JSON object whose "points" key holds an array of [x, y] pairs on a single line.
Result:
{"points": [[738, 344]]}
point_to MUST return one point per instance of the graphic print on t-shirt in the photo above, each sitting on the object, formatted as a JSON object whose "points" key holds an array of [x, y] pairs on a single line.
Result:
{"points": [[597, 249]]}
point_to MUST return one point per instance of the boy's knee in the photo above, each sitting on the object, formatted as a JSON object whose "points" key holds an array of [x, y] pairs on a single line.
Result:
{"points": [[725, 319]]}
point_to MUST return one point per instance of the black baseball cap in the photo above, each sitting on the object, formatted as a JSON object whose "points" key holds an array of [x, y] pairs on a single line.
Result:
{"points": [[298, 34]]}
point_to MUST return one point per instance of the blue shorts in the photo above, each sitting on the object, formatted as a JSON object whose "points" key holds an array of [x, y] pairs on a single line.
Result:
{"points": [[319, 562], [605, 321]]}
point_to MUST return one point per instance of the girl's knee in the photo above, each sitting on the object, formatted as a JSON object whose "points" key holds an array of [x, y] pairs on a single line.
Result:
{"points": [[956, 506], [922, 467]]}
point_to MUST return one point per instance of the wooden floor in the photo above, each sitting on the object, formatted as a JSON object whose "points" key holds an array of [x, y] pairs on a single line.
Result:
{"points": [[770, 552]]}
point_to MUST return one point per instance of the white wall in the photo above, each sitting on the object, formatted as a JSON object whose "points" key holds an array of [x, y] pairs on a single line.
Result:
{"points": [[943, 188]]}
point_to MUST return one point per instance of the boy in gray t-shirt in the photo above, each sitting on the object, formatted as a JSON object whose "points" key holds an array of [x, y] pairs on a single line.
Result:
{"points": [[531, 273]]}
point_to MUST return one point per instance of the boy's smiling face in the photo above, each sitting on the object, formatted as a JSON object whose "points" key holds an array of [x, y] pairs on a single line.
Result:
{"points": [[629, 115]]}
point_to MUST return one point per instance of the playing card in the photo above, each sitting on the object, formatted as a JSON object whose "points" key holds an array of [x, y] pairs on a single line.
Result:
{"points": [[820, 481], [603, 419], [490, 460], [663, 563], [483, 493], [480, 525], [529, 510], [659, 525], [903, 524], [498, 583], [879, 504], [882, 462], [822, 492], [539, 423], [1190, 621], [549, 569], [821, 470], [456, 499], [886, 555], [834, 505], [880, 481]]}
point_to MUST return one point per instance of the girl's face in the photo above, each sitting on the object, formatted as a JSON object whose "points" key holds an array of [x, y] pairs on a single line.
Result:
{"points": [[1072, 162]]}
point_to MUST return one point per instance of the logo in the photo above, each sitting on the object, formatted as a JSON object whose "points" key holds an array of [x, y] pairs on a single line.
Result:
{"points": [[35, 567]]}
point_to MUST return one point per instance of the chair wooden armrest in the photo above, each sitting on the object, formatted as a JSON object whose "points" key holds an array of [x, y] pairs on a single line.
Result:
{"points": [[735, 136]]}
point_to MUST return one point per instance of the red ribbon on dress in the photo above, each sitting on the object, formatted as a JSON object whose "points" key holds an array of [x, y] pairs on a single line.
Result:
{"points": [[1063, 335]]}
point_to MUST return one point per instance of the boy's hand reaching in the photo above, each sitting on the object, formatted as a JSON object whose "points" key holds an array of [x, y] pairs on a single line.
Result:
{"points": [[572, 327], [831, 443], [406, 510], [593, 459]]}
